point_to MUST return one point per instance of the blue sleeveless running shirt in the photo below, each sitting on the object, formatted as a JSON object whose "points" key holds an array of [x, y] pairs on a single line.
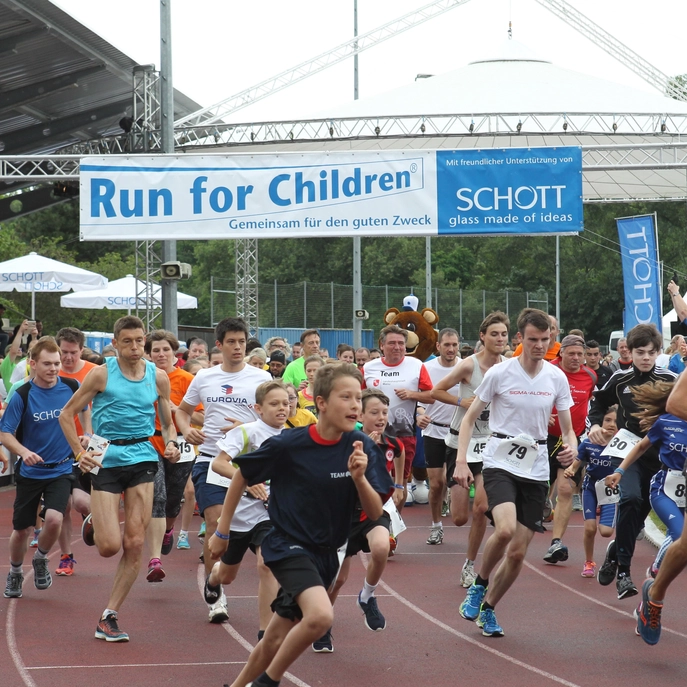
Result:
{"points": [[125, 410]]}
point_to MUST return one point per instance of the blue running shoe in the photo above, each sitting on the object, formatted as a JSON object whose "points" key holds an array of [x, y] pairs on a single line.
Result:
{"points": [[649, 616], [470, 607], [487, 621]]}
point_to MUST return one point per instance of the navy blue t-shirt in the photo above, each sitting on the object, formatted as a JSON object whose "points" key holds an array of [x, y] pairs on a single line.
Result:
{"points": [[312, 494], [598, 466], [40, 427], [669, 433]]}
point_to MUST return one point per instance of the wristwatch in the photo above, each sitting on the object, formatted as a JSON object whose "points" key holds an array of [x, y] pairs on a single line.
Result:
{"points": [[172, 441]]}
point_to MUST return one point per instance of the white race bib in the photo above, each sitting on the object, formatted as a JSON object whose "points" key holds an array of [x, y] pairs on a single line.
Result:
{"points": [[475, 448], [605, 496], [621, 444], [675, 486], [98, 445], [187, 452], [341, 555], [519, 452], [215, 478], [397, 524]]}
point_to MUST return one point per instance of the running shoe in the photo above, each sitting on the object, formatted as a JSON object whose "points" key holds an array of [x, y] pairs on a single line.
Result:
{"points": [[155, 571], [487, 621], [652, 571], [557, 553], [436, 536], [182, 541], [625, 586], [87, 533], [393, 544], [324, 644], [13, 585], [589, 569], [467, 574], [648, 616], [445, 510], [108, 629], [640, 536], [548, 511], [218, 611], [41, 575], [609, 567], [201, 531], [374, 620], [66, 566], [470, 607], [167, 542], [576, 502], [34, 541], [211, 593]]}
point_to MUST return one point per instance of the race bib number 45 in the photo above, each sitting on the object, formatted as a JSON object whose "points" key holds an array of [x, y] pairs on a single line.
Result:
{"points": [[475, 449]]}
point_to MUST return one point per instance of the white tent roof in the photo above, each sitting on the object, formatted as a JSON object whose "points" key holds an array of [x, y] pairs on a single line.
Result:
{"points": [[513, 81]]}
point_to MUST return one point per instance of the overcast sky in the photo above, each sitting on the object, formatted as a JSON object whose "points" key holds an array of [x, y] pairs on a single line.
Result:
{"points": [[223, 46]]}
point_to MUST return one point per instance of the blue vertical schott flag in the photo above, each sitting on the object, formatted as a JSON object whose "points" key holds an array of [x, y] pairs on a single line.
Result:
{"points": [[641, 277]]}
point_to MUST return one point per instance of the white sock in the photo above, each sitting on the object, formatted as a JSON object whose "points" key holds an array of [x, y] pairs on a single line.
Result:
{"points": [[15, 568], [40, 554], [368, 592], [108, 611], [182, 532], [437, 525]]}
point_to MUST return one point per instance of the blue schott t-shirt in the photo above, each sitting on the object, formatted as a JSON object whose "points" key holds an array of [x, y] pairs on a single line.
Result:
{"points": [[39, 427], [670, 434]]}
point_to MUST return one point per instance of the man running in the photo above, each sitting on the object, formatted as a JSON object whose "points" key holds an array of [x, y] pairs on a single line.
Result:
{"points": [[434, 421], [227, 392], [522, 391], [30, 429], [123, 391], [644, 342], [468, 374], [582, 382]]}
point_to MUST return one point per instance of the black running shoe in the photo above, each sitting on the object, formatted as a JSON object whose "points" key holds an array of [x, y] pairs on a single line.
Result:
{"points": [[625, 586], [374, 620], [324, 644], [609, 567], [211, 592]]}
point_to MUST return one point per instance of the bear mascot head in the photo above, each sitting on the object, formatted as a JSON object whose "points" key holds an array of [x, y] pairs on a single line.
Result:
{"points": [[422, 336]]}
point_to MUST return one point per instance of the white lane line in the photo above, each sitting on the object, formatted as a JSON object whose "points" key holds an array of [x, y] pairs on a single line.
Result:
{"points": [[12, 646], [466, 638], [138, 665], [596, 601], [234, 634]]}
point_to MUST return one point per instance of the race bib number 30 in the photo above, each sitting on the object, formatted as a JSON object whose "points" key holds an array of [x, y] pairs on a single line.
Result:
{"points": [[621, 444], [605, 496], [519, 453], [675, 486]]}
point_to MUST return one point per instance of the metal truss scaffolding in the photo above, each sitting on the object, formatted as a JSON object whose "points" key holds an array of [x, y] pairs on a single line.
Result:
{"points": [[247, 282], [148, 294]]}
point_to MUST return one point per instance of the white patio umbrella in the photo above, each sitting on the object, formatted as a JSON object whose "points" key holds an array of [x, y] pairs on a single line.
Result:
{"points": [[38, 274], [120, 294]]}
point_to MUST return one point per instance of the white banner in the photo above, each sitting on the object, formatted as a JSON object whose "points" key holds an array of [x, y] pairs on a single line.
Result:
{"points": [[294, 195]]}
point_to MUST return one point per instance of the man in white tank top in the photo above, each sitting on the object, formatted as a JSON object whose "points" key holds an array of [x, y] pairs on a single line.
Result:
{"points": [[468, 374], [523, 392]]}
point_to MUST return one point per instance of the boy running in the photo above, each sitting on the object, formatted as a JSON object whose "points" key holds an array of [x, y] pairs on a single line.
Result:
{"points": [[316, 473]]}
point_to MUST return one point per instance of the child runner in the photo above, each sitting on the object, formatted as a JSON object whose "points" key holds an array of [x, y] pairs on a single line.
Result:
{"points": [[306, 399], [598, 467], [667, 490], [298, 417], [371, 536], [317, 474], [251, 522]]}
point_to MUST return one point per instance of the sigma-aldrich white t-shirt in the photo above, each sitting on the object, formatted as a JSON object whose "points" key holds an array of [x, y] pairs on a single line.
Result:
{"points": [[223, 395], [522, 404], [236, 442]]}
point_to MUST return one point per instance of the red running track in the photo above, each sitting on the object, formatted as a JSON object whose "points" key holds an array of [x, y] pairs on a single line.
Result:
{"points": [[560, 629]]}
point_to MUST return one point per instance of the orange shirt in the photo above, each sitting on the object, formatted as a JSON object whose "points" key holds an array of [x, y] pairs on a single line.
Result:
{"points": [[551, 354], [179, 382], [79, 376]]}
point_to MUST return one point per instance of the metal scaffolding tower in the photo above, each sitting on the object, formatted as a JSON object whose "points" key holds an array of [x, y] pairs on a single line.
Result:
{"points": [[247, 282], [144, 138]]}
